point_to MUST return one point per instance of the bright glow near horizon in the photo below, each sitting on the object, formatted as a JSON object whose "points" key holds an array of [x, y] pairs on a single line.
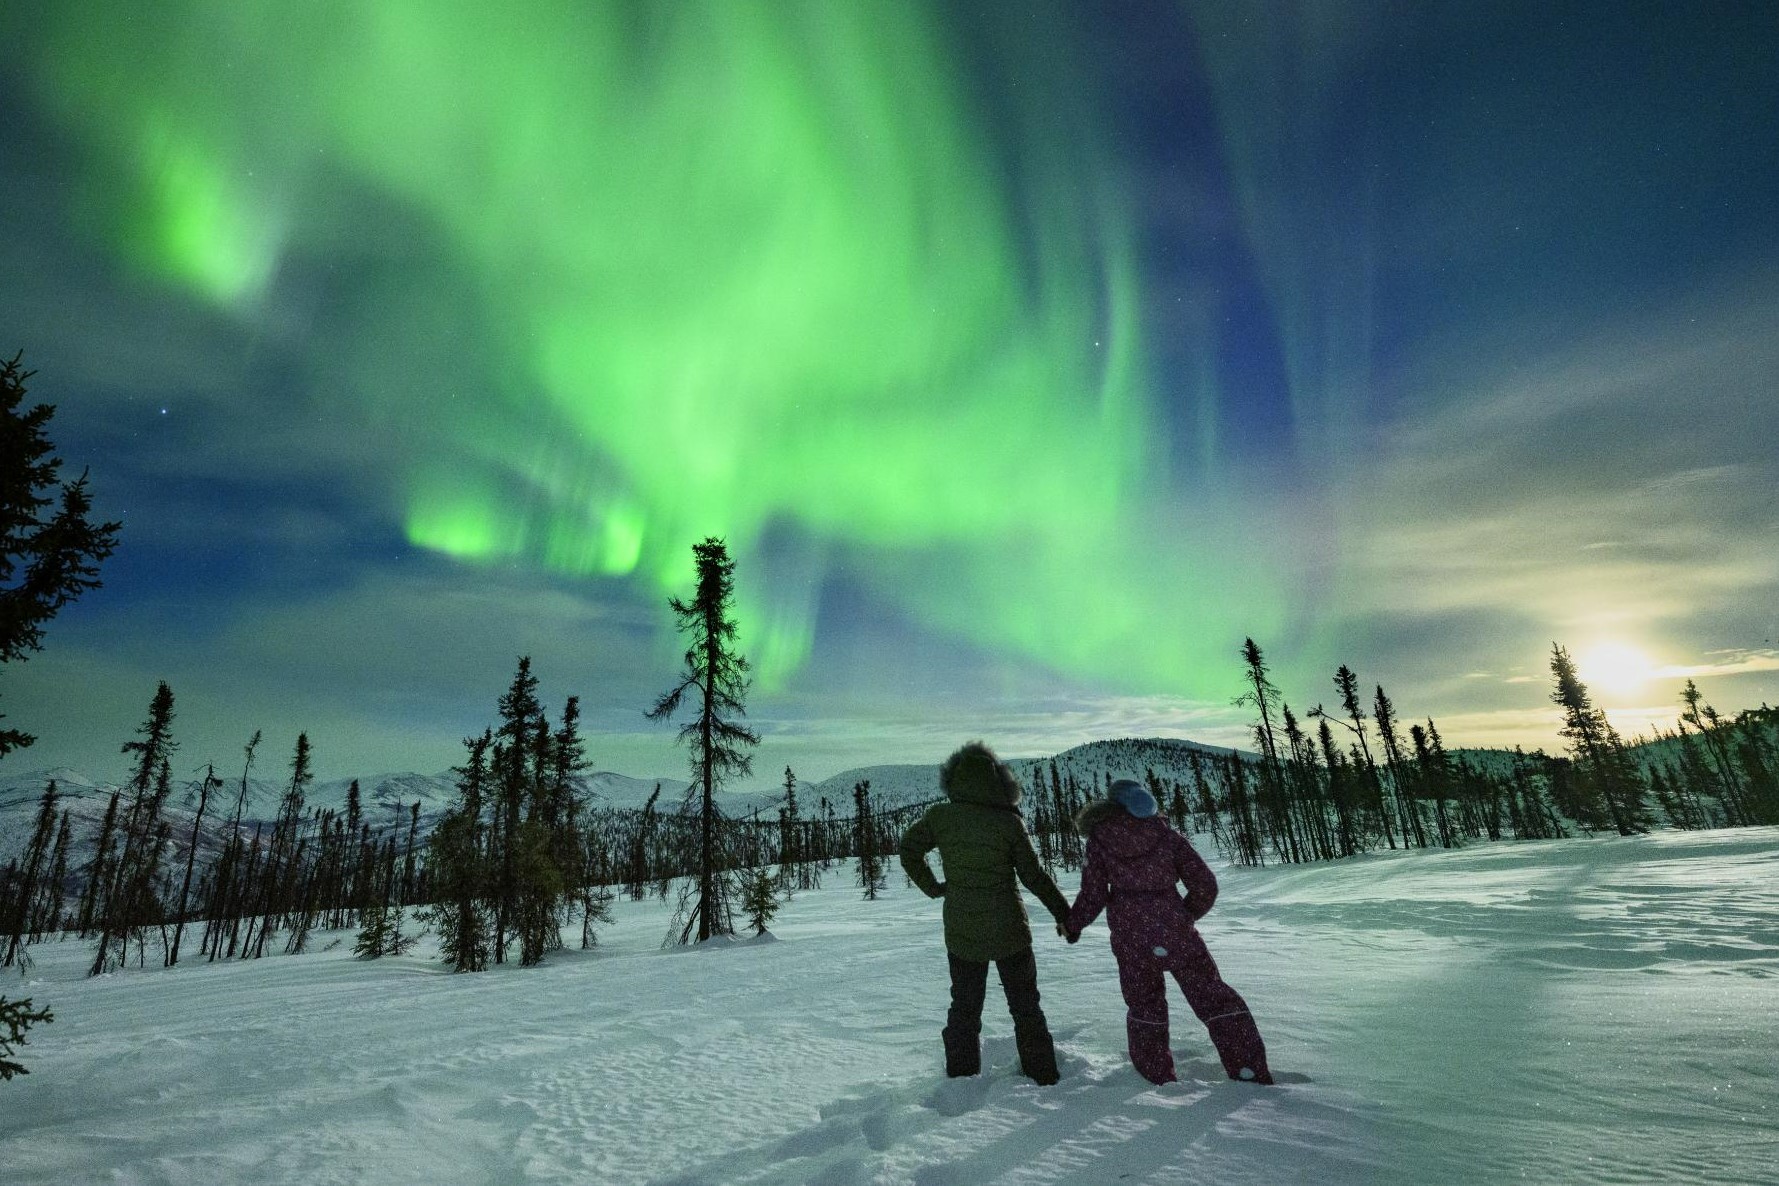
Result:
{"points": [[1617, 668]]}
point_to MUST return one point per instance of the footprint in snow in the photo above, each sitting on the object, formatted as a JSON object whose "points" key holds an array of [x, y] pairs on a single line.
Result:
{"points": [[954, 1097]]}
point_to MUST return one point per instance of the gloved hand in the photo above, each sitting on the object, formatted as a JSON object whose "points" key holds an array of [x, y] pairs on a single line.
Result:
{"points": [[1062, 929]]}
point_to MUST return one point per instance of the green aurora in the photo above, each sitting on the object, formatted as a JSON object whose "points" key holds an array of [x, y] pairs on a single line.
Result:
{"points": [[765, 271]]}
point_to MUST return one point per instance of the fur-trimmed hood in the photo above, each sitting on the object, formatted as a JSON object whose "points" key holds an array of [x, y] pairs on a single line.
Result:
{"points": [[974, 775], [1095, 813], [1123, 837]]}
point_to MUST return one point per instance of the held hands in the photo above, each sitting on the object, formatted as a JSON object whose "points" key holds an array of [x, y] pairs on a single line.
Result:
{"points": [[1062, 929]]}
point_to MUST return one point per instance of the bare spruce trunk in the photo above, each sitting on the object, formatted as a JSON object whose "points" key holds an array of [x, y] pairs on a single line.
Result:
{"points": [[191, 859], [706, 859]]}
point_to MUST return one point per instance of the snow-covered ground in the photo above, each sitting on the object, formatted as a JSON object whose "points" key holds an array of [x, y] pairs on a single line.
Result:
{"points": [[1566, 1011]]}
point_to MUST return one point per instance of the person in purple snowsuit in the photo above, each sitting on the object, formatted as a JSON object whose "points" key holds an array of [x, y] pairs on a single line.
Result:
{"points": [[1135, 862]]}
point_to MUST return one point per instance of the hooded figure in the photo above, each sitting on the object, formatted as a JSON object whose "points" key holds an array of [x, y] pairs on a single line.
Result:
{"points": [[1135, 861], [983, 845]]}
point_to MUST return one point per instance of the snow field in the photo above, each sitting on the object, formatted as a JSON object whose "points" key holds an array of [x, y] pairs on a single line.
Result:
{"points": [[1563, 1011]]}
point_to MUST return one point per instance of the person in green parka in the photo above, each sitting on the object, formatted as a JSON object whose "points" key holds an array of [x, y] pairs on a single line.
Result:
{"points": [[984, 846]]}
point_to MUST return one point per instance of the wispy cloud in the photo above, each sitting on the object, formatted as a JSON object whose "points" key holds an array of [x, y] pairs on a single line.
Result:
{"points": [[1626, 480], [1732, 662], [1620, 487], [1538, 728]]}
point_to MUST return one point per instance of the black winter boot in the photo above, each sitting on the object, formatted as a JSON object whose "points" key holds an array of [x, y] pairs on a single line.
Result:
{"points": [[1037, 1055], [963, 1053]]}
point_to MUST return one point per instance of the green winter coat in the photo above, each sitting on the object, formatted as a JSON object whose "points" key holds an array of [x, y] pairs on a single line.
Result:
{"points": [[983, 844]]}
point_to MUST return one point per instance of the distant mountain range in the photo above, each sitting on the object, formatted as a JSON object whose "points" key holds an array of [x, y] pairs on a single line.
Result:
{"points": [[387, 798]]}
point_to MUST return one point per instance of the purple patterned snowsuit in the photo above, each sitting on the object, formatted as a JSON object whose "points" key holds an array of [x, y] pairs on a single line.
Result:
{"points": [[1135, 865]]}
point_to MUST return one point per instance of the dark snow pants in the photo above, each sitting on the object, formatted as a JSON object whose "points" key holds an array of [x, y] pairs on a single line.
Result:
{"points": [[963, 1024], [1219, 1006]]}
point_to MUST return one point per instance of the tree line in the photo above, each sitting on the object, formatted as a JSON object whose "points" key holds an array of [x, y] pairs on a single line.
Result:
{"points": [[1321, 794], [232, 890], [521, 854], [524, 853]]}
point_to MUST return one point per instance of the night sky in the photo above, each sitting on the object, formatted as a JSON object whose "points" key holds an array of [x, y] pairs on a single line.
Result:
{"points": [[1029, 356]]}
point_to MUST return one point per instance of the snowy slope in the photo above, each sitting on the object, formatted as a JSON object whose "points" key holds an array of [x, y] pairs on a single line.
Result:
{"points": [[1169, 758], [1577, 1011], [891, 786], [20, 794]]}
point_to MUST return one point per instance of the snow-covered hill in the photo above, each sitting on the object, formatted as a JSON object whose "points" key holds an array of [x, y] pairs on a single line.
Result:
{"points": [[19, 797], [1101, 761], [1574, 1011]]}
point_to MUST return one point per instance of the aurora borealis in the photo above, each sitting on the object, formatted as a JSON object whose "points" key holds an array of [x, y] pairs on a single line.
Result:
{"points": [[1028, 359]]}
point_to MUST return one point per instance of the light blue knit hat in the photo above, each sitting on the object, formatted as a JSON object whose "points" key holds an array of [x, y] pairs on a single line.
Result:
{"points": [[1133, 796]]}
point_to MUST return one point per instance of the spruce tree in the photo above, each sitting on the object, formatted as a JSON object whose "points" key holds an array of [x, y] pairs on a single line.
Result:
{"points": [[1205, 800], [410, 885], [641, 840], [571, 847], [791, 852], [865, 841], [1436, 776], [1527, 807], [1408, 811], [761, 895], [716, 740], [48, 557], [1262, 695], [596, 894], [1304, 799], [31, 868], [48, 916], [226, 890], [380, 929], [550, 856], [1273, 797], [1347, 684], [210, 782], [456, 866], [538, 887], [1600, 754], [1760, 764], [514, 738], [1662, 787], [373, 933], [285, 849], [1342, 793], [1244, 827], [128, 888], [16, 1017], [348, 867], [1701, 716], [1699, 782], [98, 870]]}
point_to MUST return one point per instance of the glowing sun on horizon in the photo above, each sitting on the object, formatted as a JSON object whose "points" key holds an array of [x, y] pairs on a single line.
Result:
{"points": [[1614, 667]]}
